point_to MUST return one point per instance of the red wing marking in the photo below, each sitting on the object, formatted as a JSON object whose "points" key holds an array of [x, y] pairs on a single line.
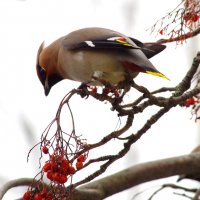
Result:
{"points": [[131, 66]]}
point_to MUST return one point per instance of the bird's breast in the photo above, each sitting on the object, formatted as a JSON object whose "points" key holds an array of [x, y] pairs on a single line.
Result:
{"points": [[82, 65]]}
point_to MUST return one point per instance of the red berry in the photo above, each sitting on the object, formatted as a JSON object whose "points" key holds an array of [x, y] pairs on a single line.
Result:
{"points": [[106, 91], [71, 170], [62, 179], [65, 164], [50, 175], [37, 197], [116, 93], [27, 195], [161, 32], [54, 166], [47, 167], [49, 197], [195, 17], [189, 102], [43, 193], [94, 90], [56, 176], [81, 158], [45, 150], [191, 17], [79, 165]]}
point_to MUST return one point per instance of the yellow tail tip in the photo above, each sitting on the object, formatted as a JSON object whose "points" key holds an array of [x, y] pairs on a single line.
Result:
{"points": [[157, 74]]}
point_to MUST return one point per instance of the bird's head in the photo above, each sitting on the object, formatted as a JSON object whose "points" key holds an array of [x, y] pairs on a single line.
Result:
{"points": [[46, 69]]}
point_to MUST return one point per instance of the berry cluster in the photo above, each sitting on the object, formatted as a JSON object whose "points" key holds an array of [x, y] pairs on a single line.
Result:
{"points": [[62, 155], [109, 91], [114, 92], [179, 24], [57, 169], [92, 88], [191, 17], [189, 102], [38, 195]]}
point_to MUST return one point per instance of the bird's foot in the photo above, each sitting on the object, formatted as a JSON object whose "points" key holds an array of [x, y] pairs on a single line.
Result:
{"points": [[114, 91], [83, 89]]}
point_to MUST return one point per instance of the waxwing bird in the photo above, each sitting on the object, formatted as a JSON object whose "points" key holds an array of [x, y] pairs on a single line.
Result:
{"points": [[95, 52]]}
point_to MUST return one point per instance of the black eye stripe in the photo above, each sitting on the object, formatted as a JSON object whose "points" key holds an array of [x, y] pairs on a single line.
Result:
{"points": [[41, 69], [41, 74]]}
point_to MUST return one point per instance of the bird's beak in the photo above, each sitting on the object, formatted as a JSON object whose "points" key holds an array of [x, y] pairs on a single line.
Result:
{"points": [[46, 86]]}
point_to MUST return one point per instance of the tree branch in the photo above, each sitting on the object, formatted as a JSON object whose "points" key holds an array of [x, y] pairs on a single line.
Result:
{"points": [[14, 183], [138, 174], [125, 179], [178, 38], [145, 100]]}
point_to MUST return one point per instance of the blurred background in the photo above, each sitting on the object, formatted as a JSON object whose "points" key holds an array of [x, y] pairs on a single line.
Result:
{"points": [[25, 111]]}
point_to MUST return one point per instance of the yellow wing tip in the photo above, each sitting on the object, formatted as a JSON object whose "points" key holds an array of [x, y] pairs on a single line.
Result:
{"points": [[157, 74]]}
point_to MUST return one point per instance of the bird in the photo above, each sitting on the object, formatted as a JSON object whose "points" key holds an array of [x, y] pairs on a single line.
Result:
{"points": [[97, 52]]}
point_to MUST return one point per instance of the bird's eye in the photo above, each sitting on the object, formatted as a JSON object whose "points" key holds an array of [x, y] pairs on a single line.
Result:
{"points": [[41, 74], [40, 71]]}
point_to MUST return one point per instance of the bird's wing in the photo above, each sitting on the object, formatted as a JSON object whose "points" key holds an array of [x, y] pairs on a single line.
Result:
{"points": [[103, 42], [115, 42], [149, 49]]}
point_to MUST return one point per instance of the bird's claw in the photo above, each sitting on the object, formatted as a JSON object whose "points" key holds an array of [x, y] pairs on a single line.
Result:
{"points": [[83, 89]]}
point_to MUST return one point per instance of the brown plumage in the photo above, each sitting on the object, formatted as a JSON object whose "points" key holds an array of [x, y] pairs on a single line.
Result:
{"points": [[95, 52]]}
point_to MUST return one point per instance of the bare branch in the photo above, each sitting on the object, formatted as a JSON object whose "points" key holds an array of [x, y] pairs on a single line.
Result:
{"points": [[130, 177], [173, 186], [181, 37], [186, 82], [140, 173], [179, 24], [14, 183], [63, 149], [197, 195]]}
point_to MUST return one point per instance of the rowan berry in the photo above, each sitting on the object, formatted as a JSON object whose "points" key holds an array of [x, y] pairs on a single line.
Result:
{"points": [[71, 170], [65, 164], [79, 165], [55, 176], [43, 193], [189, 102], [45, 149], [81, 158], [37, 197], [50, 175], [27, 195], [47, 167], [62, 179]]}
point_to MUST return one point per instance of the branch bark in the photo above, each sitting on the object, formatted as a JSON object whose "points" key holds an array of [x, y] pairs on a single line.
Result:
{"points": [[138, 174], [178, 38], [125, 179], [14, 183]]}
